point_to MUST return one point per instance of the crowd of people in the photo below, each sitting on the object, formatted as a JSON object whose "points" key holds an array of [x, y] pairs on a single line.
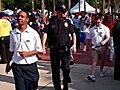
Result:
{"points": [[24, 36]]}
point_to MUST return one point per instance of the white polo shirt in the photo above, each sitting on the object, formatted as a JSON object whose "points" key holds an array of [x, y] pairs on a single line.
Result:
{"points": [[98, 34], [28, 40]]}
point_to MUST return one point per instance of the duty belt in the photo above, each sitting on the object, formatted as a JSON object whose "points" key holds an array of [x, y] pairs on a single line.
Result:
{"points": [[59, 45]]}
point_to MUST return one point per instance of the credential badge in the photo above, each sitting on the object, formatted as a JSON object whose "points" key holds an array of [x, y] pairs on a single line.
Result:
{"points": [[66, 24]]}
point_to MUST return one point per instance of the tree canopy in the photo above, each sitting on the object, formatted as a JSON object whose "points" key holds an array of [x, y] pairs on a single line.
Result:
{"points": [[11, 4]]}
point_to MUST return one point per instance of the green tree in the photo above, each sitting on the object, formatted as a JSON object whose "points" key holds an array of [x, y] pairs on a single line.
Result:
{"points": [[26, 4], [8, 4]]}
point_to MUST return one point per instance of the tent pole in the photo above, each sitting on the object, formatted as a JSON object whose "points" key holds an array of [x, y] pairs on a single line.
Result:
{"points": [[103, 6], [43, 7], [69, 5], [53, 5], [84, 5], [95, 6], [79, 5]]}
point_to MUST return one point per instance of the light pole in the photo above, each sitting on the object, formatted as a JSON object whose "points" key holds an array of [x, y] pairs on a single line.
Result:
{"points": [[96, 6], [79, 5], [0, 5], [43, 5], [85, 5], [103, 6], [69, 5], [33, 6], [108, 5], [53, 5], [48, 8]]}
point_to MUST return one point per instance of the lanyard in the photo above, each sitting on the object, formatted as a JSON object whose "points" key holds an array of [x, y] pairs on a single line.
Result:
{"points": [[22, 47]]}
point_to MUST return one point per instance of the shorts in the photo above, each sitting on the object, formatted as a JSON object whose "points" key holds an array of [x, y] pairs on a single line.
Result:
{"points": [[98, 53], [82, 36]]}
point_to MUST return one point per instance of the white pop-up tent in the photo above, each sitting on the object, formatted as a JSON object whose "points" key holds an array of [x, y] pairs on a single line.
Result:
{"points": [[89, 9], [8, 11]]}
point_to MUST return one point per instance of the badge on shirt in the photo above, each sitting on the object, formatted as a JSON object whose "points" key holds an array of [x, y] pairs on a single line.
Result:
{"points": [[27, 40], [66, 24], [53, 26]]}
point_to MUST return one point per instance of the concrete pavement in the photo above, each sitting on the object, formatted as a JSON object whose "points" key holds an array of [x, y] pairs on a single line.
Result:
{"points": [[78, 74]]}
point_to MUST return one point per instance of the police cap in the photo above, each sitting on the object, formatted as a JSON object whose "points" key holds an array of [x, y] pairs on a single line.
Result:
{"points": [[61, 8]]}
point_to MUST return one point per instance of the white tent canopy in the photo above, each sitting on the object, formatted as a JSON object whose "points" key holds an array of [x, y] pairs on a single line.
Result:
{"points": [[89, 9]]}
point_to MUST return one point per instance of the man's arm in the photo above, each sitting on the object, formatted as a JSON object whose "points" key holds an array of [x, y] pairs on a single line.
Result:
{"points": [[8, 65], [74, 42], [89, 44], [105, 41], [28, 54]]}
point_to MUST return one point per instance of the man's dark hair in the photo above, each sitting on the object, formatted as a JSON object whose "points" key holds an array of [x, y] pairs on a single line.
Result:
{"points": [[83, 12], [98, 17], [23, 10], [2, 14]]}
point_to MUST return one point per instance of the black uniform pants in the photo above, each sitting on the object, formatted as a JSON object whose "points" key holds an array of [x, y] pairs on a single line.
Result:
{"points": [[117, 64], [60, 59], [26, 76], [4, 48], [77, 38]]}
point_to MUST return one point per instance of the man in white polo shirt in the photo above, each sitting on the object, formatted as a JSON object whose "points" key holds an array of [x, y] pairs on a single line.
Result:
{"points": [[99, 36], [25, 44]]}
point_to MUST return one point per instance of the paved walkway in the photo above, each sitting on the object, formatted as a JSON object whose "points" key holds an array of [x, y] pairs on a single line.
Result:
{"points": [[78, 75], [81, 57]]}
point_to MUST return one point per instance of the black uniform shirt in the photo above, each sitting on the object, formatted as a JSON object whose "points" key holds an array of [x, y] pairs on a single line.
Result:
{"points": [[58, 31]]}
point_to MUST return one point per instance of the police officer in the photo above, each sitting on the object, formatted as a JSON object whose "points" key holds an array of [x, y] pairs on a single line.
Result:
{"points": [[58, 32]]}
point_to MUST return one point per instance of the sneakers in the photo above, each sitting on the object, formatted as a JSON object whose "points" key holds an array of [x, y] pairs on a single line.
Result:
{"points": [[110, 60], [91, 78], [2, 62], [65, 87], [71, 62], [84, 48], [101, 74]]}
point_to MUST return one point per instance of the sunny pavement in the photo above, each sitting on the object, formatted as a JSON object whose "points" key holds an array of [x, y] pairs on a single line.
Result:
{"points": [[78, 74]]}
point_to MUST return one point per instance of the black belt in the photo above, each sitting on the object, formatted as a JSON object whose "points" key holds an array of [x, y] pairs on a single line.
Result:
{"points": [[4, 37], [97, 46], [59, 45]]}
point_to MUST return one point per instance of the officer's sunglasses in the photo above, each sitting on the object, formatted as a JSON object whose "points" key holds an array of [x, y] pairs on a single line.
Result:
{"points": [[97, 22]]}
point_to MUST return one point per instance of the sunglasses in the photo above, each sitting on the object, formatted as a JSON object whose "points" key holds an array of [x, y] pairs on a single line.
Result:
{"points": [[97, 22]]}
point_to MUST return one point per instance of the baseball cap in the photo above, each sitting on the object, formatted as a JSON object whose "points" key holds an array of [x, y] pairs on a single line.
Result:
{"points": [[2, 14], [61, 8]]}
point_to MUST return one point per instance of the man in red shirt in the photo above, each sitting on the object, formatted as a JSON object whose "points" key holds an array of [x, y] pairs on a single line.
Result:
{"points": [[110, 23]]}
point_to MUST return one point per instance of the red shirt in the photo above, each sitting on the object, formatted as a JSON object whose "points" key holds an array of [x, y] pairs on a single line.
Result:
{"points": [[110, 25]]}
